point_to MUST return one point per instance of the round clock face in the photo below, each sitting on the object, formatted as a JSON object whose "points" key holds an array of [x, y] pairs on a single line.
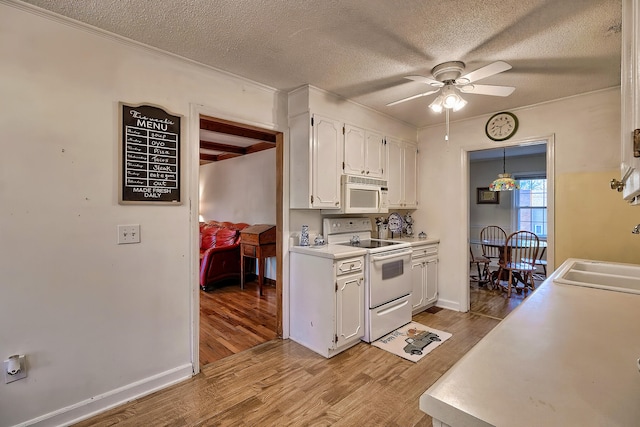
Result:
{"points": [[395, 222], [501, 126]]}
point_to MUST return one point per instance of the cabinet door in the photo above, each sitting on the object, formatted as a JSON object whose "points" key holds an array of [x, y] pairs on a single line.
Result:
{"points": [[630, 95], [431, 280], [354, 150], [349, 308], [327, 162], [394, 173], [374, 155], [417, 282], [410, 180]]}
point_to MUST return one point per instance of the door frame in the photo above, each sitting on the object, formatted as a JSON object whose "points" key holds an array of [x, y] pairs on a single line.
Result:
{"points": [[466, 192], [196, 111]]}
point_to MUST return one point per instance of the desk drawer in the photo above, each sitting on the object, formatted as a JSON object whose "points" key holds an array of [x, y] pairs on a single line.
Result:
{"points": [[248, 250], [251, 239]]}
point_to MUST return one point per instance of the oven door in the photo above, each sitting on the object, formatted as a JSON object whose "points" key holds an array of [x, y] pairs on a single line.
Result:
{"points": [[389, 276]]}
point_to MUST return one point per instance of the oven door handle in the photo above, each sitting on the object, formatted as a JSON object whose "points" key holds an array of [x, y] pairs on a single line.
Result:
{"points": [[385, 257]]}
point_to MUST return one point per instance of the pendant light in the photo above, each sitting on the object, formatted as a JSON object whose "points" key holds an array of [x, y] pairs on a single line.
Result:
{"points": [[504, 181]]}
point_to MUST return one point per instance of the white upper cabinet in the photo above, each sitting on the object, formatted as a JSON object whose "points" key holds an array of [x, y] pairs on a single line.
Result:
{"points": [[402, 174], [630, 94], [315, 162], [364, 152]]}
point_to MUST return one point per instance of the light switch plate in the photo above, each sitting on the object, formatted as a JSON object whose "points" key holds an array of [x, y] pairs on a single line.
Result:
{"points": [[128, 234]]}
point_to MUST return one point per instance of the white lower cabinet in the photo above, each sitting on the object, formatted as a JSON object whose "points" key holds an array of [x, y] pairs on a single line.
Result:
{"points": [[424, 277], [327, 302]]}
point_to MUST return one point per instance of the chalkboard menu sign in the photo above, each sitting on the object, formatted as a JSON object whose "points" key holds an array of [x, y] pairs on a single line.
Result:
{"points": [[150, 155]]}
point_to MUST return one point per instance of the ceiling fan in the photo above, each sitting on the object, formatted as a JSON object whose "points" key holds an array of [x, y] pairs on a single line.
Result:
{"points": [[448, 78]]}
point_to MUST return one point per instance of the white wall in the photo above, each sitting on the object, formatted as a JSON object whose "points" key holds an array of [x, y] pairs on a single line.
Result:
{"points": [[99, 322], [587, 135], [241, 189]]}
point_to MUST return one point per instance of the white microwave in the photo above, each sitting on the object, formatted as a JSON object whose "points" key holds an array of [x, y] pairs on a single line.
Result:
{"points": [[361, 195]]}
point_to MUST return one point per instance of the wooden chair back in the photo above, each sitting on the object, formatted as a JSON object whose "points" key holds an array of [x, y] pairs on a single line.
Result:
{"points": [[492, 232], [521, 245]]}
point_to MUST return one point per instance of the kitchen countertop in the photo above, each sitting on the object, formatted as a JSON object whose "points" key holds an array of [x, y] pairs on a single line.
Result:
{"points": [[329, 251], [567, 356]]}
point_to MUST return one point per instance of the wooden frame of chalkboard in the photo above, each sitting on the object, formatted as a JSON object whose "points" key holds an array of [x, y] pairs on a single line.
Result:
{"points": [[150, 160]]}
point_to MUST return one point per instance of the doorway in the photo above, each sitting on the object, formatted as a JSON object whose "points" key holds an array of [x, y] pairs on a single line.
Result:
{"points": [[239, 182], [529, 160]]}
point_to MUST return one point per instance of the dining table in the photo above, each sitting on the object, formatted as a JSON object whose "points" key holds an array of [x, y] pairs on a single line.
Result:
{"points": [[501, 245]]}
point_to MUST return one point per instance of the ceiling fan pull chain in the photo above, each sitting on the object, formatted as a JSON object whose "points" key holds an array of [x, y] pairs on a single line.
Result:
{"points": [[446, 136]]}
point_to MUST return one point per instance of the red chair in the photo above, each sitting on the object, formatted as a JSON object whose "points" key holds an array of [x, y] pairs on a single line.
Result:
{"points": [[219, 253]]}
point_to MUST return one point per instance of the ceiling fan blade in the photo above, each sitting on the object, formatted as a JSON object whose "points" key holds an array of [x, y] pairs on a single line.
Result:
{"points": [[484, 72], [426, 80], [412, 97], [487, 90]]}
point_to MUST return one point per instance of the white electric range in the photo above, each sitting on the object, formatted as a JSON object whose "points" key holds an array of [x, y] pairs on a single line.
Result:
{"points": [[387, 274]]}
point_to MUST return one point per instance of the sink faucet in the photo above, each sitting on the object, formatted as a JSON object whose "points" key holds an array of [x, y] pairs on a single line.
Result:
{"points": [[636, 229]]}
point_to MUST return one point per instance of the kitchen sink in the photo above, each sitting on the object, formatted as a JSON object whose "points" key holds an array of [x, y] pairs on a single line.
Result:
{"points": [[602, 275]]}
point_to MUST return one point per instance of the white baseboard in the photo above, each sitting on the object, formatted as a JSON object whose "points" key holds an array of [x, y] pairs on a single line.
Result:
{"points": [[450, 305], [95, 405]]}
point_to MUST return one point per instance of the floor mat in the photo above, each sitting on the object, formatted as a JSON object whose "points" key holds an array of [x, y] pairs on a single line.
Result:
{"points": [[413, 341]]}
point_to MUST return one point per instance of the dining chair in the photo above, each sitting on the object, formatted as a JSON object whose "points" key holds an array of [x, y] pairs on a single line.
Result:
{"points": [[483, 274], [539, 261], [519, 245], [492, 232]]}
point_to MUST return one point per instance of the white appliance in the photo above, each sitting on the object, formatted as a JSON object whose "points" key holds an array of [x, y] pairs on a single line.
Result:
{"points": [[387, 272], [361, 195]]}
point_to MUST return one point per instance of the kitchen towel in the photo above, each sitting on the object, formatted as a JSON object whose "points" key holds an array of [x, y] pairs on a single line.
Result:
{"points": [[413, 341]]}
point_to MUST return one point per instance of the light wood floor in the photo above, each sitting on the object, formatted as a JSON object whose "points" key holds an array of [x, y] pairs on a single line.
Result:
{"points": [[233, 320], [494, 303], [281, 383]]}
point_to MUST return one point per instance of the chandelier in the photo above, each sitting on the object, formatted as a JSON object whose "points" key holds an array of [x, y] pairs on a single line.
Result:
{"points": [[504, 182]]}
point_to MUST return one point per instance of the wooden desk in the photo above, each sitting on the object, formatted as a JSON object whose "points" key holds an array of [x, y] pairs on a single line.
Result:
{"points": [[257, 241]]}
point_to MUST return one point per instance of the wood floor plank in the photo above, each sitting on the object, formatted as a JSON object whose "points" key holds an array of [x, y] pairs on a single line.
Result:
{"points": [[280, 383], [233, 320]]}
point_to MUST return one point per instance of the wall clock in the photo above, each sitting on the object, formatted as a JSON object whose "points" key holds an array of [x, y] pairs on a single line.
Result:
{"points": [[501, 126]]}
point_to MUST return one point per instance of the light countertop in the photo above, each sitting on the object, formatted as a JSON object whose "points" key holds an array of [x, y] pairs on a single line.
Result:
{"points": [[567, 356], [329, 251]]}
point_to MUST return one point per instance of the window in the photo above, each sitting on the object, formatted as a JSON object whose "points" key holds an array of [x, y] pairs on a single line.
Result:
{"points": [[531, 205]]}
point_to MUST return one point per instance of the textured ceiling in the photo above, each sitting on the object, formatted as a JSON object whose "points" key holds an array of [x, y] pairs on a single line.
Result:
{"points": [[362, 49]]}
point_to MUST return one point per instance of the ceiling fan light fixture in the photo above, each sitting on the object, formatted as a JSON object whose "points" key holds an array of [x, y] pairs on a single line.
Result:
{"points": [[451, 99], [436, 105], [460, 104]]}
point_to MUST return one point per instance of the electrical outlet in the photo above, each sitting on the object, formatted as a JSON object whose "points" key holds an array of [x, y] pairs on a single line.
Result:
{"points": [[128, 234], [9, 365]]}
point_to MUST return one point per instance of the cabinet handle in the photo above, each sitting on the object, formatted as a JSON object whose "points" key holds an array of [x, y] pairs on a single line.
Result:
{"points": [[362, 172], [337, 203]]}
